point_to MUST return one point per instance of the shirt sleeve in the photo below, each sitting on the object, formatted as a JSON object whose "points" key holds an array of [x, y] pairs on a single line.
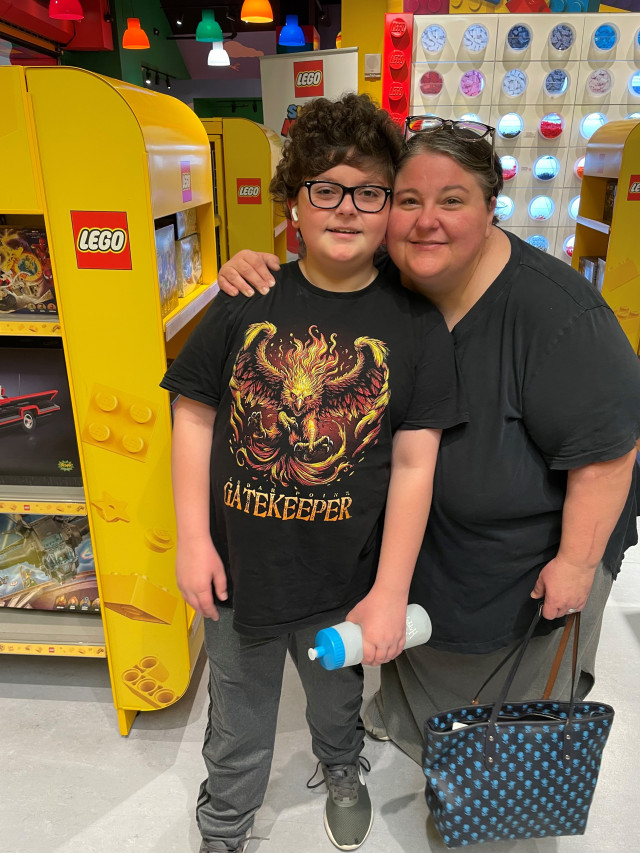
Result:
{"points": [[197, 371], [438, 400], [582, 404]]}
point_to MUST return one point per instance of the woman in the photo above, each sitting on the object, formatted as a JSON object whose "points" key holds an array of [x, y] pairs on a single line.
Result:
{"points": [[533, 498]]}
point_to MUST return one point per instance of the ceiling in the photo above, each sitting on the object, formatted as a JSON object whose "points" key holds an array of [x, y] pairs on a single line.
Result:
{"points": [[312, 12]]}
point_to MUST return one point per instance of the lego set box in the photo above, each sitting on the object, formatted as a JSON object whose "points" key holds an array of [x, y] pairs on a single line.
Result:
{"points": [[46, 563], [37, 431], [26, 280], [188, 264], [167, 273]]}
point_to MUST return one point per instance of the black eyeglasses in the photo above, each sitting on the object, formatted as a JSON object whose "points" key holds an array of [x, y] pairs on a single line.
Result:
{"points": [[328, 195], [471, 131]]}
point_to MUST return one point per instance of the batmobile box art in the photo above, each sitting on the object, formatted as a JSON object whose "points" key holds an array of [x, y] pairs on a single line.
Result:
{"points": [[26, 409]]}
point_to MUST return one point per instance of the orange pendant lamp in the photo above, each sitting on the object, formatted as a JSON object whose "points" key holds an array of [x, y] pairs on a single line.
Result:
{"points": [[66, 10], [134, 37], [256, 12]]}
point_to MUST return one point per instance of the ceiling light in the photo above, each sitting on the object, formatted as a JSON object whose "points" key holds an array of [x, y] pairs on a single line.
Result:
{"points": [[208, 29], [256, 12], [66, 10], [218, 56], [291, 34], [134, 37]]}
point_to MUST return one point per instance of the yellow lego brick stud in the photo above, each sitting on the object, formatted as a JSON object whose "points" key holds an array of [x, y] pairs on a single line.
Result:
{"points": [[146, 679], [135, 597], [110, 509], [119, 422], [158, 539]]}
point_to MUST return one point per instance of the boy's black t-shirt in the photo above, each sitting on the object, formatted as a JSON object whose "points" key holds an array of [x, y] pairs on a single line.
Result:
{"points": [[310, 386]]}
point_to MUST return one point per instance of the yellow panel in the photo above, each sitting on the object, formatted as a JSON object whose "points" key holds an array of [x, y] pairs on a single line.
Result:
{"points": [[53, 650], [20, 180]]}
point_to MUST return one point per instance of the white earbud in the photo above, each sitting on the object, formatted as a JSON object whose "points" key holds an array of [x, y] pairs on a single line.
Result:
{"points": [[294, 213]]}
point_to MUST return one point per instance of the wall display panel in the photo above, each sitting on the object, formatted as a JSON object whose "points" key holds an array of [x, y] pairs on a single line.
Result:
{"points": [[533, 207], [550, 81], [565, 240], [538, 235]]}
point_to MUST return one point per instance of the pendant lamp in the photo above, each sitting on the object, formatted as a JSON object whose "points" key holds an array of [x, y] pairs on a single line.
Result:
{"points": [[134, 37], [291, 35], [65, 10], [208, 29], [256, 12], [218, 56]]}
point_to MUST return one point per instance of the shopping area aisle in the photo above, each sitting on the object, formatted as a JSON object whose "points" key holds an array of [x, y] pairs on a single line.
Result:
{"points": [[72, 784]]}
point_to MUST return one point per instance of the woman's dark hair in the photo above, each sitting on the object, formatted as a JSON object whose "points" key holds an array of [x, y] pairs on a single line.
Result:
{"points": [[473, 154], [351, 130]]}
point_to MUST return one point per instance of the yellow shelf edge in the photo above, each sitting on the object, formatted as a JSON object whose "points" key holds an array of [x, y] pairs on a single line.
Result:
{"points": [[53, 650], [594, 224], [193, 304], [27, 326]]}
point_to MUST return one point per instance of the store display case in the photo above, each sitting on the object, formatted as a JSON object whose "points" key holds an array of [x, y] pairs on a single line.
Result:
{"points": [[98, 166]]}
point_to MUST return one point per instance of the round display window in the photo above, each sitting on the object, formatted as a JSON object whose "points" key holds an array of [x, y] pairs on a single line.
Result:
{"points": [[510, 125], [434, 38], [568, 244], [605, 37], [590, 123], [578, 168], [562, 37], [541, 207], [431, 83], [551, 126], [634, 84], [539, 241], [519, 37], [514, 83], [633, 115], [600, 82], [546, 168], [510, 167], [556, 82], [471, 117], [472, 83], [475, 38], [574, 207], [504, 207]]}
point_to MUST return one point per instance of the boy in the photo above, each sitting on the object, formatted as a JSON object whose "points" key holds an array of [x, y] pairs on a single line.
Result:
{"points": [[300, 417]]}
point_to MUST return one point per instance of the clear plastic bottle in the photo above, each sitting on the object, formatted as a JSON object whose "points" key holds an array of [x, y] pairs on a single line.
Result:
{"points": [[341, 645]]}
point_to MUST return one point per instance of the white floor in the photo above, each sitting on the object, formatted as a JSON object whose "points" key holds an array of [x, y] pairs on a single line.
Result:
{"points": [[71, 784]]}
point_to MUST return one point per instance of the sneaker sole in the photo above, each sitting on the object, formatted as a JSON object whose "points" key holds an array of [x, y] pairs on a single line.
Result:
{"points": [[347, 846]]}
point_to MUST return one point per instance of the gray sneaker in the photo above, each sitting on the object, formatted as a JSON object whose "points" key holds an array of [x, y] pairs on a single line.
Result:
{"points": [[348, 815], [221, 847]]}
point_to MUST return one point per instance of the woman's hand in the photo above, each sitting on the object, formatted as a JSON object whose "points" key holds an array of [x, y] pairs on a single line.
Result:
{"points": [[247, 272], [564, 587], [199, 570], [384, 627]]}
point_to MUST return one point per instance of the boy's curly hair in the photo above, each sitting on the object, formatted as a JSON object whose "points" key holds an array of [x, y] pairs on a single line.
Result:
{"points": [[351, 130]]}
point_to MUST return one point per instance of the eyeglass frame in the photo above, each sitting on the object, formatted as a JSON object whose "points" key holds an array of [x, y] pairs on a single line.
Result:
{"points": [[348, 191], [450, 124]]}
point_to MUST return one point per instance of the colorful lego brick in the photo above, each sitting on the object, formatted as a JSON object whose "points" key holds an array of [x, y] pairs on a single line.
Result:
{"points": [[119, 422], [135, 597], [427, 7], [527, 7], [146, 679]]}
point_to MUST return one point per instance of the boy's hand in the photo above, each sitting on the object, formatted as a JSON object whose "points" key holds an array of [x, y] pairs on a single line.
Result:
{"points": [[199, 569], [383, 621], [247, 272]]}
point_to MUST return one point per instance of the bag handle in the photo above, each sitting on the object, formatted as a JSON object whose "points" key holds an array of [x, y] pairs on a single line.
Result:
{"points": [[573, 622]]}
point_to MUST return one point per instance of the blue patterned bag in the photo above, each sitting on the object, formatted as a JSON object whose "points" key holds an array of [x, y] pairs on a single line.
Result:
{"points": [[515, 769]]}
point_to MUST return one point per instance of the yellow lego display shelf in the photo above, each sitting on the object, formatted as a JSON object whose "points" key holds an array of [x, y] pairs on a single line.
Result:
{"points": [[104, 164], [606, 246], [245, 155]]}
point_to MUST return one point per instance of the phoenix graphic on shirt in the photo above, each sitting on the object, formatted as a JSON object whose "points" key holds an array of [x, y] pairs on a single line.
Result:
{"points": [[303, 411]]}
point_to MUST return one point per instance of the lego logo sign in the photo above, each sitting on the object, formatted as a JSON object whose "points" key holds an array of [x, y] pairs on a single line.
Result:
{"points": [[309, 78], [101, 239], [634, 188], [249, 191]]}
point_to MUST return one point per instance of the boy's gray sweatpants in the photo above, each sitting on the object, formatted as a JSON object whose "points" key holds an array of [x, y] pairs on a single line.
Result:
{"points": [[244, 690]]}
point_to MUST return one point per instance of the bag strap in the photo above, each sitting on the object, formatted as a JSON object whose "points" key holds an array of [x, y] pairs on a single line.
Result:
{"points": [[555, 666], [492, 734]]}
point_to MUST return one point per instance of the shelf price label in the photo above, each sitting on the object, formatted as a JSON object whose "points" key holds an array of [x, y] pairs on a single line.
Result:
{"points": [[101, 239]]}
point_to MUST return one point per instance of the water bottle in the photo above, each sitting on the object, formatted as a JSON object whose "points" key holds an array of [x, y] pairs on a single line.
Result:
{"points": [[342, 645]]}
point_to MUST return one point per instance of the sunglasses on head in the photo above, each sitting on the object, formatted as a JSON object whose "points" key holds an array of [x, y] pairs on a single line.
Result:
{"points": [[470, 131]]}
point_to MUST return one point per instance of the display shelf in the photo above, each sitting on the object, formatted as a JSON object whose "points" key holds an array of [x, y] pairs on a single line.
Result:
{"points": [[100, 217], [595, 224], [190, 307], [611, 191], [38, 632]]}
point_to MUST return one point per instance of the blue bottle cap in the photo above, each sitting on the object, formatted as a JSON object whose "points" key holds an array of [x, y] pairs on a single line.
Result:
{"points": [[329, 649]]}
